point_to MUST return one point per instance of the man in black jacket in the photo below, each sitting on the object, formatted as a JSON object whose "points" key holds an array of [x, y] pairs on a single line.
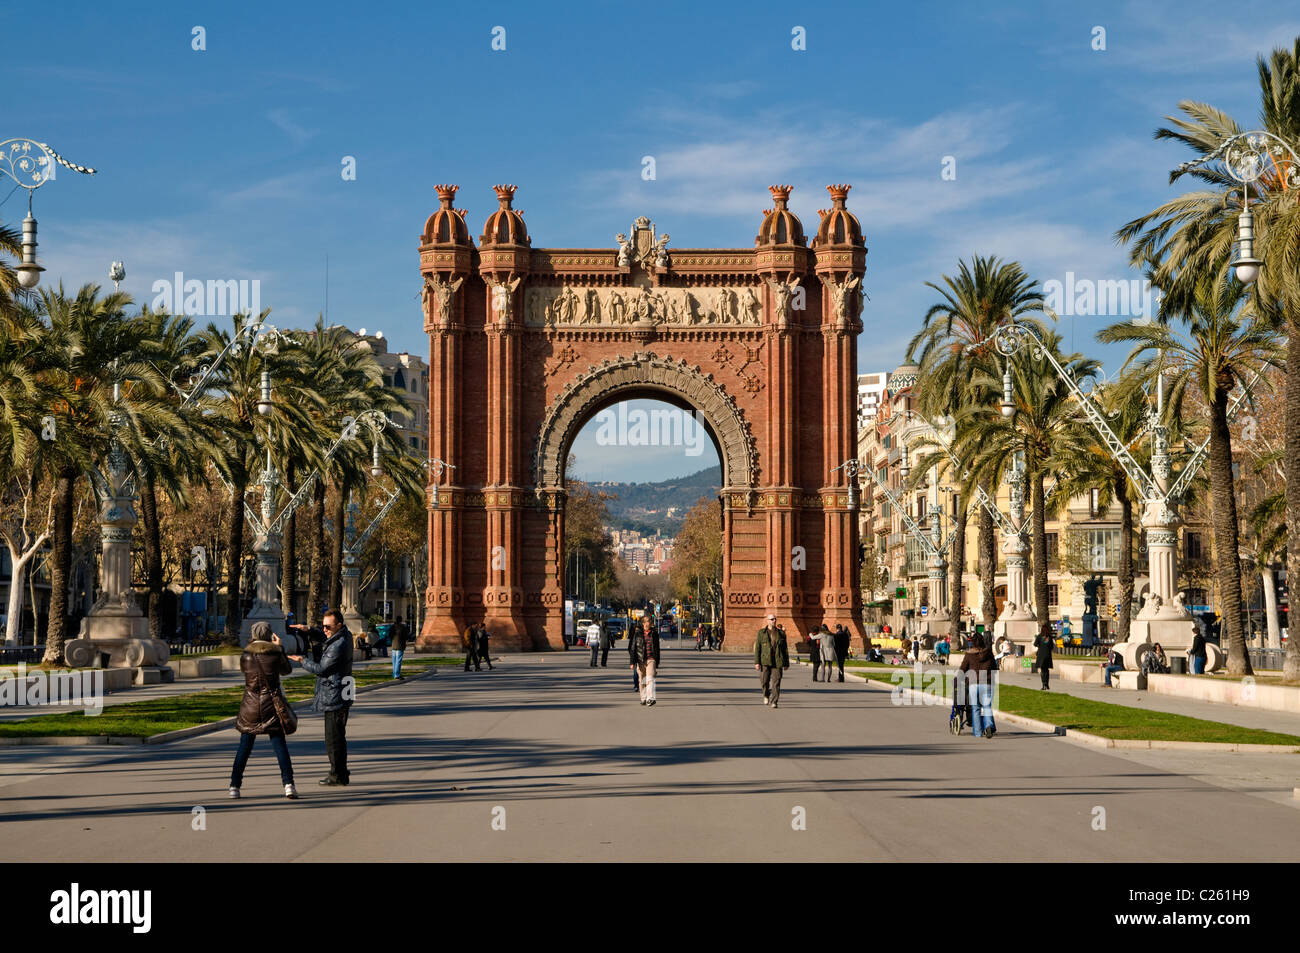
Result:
{"points": [[335, 691], [841, 647], [771, 659], [484, 653]]}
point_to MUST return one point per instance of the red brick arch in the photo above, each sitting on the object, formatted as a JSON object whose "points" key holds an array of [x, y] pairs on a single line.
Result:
{"points": [[527, 344]]}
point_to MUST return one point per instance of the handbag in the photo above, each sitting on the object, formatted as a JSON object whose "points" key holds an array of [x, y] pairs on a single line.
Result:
{"points": [[284, 711]]}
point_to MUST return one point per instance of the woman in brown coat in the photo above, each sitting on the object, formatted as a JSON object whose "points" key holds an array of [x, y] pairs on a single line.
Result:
{"points": [[262, 663]]}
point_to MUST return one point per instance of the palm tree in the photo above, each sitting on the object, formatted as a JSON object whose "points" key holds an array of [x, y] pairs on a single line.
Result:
{"points": [[170, 458], [230, 406], [1194, 235], [1224, 345], [1047, 429], [108, 394], [10, 245], [954, 349]]}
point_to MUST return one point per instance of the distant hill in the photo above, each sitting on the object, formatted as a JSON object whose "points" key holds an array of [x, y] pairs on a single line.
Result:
{"points": [[645, 506]]}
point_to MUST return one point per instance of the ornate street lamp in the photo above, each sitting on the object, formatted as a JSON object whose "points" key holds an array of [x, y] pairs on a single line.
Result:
{"points": [[1248, 157], [31, 165]]}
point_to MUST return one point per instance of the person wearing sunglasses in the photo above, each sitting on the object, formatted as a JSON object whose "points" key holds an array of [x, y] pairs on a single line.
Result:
{"points": [[335, 690]]}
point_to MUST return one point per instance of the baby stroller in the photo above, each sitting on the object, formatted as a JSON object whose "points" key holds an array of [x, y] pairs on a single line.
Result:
{"points": [[960, 717]]}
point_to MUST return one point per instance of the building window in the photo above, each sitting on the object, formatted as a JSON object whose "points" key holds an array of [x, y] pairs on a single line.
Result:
{"points": [[1053, 547], [1053, 594], [1197, 597], [1193, 543]]}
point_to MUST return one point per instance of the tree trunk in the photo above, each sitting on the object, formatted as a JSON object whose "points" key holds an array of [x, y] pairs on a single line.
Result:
{"points": [[1270, 608], [289, 549], [988, 559], [957, 565], [336, 547], [56, 626], [1291, 441], [1226, 547], [152, 553], [235, 557], [18, 564], [1125, 558], [316, 588], [1040, 549]]}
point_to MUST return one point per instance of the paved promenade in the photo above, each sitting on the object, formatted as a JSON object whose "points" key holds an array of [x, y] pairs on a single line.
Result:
{"points": [[574, 768]]}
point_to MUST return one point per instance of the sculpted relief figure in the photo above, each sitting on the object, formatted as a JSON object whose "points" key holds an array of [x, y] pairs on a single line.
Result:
{"points": [[445, 292], [617, 308], [661, 251], [624, 250], [621, 306], [842, 295], [783, 291], [750, 307], [503, 299]]}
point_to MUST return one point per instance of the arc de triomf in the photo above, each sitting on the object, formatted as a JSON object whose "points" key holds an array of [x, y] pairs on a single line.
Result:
{"points": [[528, 344]]}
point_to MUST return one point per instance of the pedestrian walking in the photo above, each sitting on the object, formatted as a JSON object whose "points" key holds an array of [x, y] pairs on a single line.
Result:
{"points": [[484, 651], [827, 644], [593, 641], [335, 689], [1197, 653], [771, 659], [1044, 657], [815, 650], [264, 710], [977, 682], [643, 648], [841, 648], [604, 639], [400, 633], [470, 641]]}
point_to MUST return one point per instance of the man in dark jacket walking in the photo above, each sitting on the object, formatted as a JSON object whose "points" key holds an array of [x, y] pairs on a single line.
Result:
{"points": [[399, 634], [470, 640], [335, 691], [484, 653], [841, 647], [771, 658]]}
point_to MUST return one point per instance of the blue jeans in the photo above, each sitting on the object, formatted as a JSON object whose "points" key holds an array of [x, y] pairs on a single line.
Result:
{"points": [[278, 745], [397, 662], [1109, 670], [1198, 664], [980, 695]]}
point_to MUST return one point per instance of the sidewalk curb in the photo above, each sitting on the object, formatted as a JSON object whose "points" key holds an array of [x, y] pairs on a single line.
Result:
{"points": [[1097, 741], [179, 734]]}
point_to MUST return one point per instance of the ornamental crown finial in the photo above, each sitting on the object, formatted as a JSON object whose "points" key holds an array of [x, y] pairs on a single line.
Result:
{"points": [[446, 194], [505, 193], [838, 194], [780, 194]]}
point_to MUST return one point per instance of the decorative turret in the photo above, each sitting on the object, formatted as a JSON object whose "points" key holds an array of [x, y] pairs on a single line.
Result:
{"points": [[841, 259], [838, 225], [780, 225], [447, 224], [505, 226]]}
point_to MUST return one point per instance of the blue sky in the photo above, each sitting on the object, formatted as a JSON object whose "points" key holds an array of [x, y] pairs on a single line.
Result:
{"points": [[225, 163]]}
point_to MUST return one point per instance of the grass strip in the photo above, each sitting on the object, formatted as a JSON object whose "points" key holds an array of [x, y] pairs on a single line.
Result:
{"points": [[156, 715], [1118, 722]]}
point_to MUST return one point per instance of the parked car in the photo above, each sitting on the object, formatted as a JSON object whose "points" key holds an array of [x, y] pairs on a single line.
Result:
{"points": [[616, 626]]}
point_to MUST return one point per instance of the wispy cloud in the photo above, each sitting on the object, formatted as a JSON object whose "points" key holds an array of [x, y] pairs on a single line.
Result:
{"points": [[297, 133]]}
